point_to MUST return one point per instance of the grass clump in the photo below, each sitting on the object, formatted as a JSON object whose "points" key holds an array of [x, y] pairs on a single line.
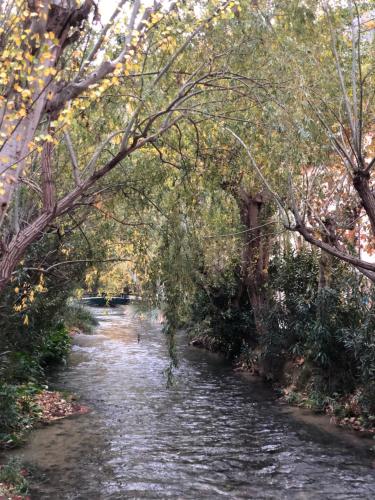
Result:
{"points": [[77, 316], [13, 480]]}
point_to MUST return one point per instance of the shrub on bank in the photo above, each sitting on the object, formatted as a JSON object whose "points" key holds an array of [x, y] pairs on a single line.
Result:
{"points": [[317, 340], [55, 346], [330, 329], [18, 412], [77, 316], [29, 365], [219, 321], [22, 373]]}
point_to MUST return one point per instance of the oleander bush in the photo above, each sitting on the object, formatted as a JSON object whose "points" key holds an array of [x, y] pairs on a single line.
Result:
{"points": [[330, 330]]}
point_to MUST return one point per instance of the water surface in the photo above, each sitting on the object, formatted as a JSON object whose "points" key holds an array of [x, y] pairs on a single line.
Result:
{"points": [[213, 435]]}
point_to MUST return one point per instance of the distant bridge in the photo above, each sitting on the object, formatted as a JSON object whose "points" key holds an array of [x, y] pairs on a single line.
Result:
{"points": [[106, 300]]}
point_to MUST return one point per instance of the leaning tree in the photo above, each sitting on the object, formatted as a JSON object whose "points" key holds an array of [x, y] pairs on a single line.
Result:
{"points": [[60, 70]]}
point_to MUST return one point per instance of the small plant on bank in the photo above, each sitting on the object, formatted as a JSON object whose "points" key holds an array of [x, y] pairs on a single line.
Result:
{"points": [[18, 412], [55, 346], [76, 316], [13, 481]]}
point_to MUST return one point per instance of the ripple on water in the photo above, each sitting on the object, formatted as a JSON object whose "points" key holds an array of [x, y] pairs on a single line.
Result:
{"points": [[212, 435]]}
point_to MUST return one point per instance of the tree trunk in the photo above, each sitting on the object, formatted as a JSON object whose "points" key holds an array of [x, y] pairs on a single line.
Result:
{"points": [[18, 246], [361, 182], [255, 254], [326, 260], [19, 130]]}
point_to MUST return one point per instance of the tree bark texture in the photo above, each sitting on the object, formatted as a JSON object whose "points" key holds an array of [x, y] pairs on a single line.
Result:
{"points": [[58, 17], [255, 253]]}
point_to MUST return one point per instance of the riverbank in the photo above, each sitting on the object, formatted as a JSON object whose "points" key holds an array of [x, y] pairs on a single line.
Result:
{"points": [[25, 366], [27, 403], [293, 388], [39, 407], [35, 406], [14, 484]]}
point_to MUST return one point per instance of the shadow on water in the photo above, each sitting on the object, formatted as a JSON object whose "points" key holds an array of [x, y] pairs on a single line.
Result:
{"points": [[214, 434]]}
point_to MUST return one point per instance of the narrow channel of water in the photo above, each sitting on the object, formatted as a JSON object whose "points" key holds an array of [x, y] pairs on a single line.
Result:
{"points": [[213, 435]]}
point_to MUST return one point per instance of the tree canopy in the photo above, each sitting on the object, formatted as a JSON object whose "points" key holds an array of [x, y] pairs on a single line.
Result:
{"points": [[175, 129]]}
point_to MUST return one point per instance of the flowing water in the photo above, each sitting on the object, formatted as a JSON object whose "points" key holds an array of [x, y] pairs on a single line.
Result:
{"points": [[214, 434]]}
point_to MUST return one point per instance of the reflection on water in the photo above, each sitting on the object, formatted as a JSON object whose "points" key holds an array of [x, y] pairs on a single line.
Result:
{"points": [[212, 435]]}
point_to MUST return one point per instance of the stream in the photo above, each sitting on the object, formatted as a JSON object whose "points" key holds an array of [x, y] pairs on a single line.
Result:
{"points": [[214, 434]]}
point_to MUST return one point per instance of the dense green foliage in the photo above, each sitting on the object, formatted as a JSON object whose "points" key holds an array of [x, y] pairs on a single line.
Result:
{"points": [[331, 328], [328, 331], [34, 337], [23, 371], [219, 321]]}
